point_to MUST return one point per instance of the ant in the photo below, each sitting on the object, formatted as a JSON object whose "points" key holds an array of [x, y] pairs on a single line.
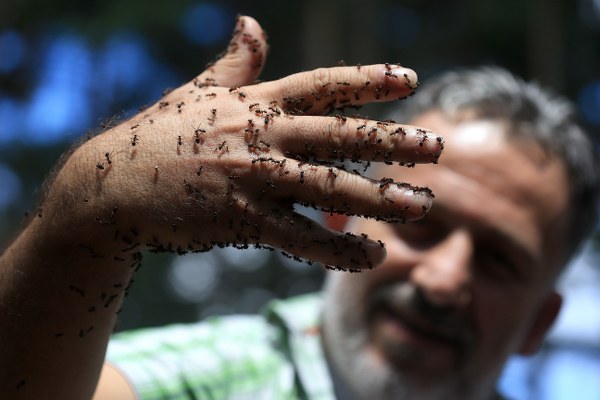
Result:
{"points": [[398, 130], [197, 133], [423, 138], [109, 123], [134, 140], [222, 148], [213, 116], [332, 173], [385, 182]]}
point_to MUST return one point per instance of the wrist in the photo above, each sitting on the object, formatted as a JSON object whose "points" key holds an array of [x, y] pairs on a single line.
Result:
{"points": [[82, 207]]}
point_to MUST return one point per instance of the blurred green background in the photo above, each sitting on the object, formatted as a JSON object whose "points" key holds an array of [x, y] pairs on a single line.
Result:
{"points": [[65, 66]]}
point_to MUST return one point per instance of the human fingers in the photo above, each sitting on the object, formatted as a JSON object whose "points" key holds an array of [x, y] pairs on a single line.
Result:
{"points": [[341, 138], [304, 239], [340, 191], [325, 89], [244, 59]]}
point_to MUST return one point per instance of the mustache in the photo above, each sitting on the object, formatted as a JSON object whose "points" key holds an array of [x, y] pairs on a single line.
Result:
{"points": [[409, 303]]}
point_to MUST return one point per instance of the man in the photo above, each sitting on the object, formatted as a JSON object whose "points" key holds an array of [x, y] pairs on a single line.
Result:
{"points": [[473, 282], [210, 165]]}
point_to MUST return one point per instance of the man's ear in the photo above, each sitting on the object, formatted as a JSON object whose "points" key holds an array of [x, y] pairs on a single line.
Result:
{"points": [[542, 323], [336, 221]]}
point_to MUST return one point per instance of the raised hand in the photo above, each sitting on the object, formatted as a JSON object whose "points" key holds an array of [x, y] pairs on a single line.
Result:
{"points": [[223, 165]]}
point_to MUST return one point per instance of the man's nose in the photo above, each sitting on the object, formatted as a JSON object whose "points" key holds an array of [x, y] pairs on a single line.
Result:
{"points": [[444, 273]]}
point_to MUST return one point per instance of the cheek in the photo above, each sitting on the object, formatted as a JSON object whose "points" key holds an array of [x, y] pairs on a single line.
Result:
{"points": [[503, 316], [345, 300], [347, 289]]}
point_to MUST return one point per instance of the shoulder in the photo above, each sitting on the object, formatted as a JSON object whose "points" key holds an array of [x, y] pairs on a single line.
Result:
{"points": [[215, 358], [206, 348]]}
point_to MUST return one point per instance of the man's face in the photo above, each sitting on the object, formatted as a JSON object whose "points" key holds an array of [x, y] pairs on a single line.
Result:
{"points": [[466, 286]]}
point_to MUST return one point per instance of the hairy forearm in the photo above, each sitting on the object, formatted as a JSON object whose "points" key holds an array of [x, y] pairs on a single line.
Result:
{"points": [[61, 284]]}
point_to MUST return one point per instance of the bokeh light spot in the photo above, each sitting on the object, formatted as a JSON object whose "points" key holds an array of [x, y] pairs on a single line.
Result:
{"points": [[206, 24], [589, 103], [12, 50], [11, 186], [577, 381], [249, 259], [61, 102], [192, 278], [12, 114]]}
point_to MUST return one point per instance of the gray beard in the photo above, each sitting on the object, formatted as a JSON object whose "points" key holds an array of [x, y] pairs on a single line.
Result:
{"points": [[357, 373]]}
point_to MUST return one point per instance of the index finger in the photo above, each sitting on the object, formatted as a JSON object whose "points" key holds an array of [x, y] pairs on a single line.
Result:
{"points": [[323, 90]]}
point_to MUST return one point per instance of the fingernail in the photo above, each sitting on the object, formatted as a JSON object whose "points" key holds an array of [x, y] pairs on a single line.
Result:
{"points": [[425, 198], [375, 253], [434, 144], [404, 192], [428, 142], [410, 76], [237, 30], [415, 202]]}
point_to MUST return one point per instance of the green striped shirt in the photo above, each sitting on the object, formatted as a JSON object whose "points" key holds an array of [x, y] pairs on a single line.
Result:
{"points": [[274, 355]]}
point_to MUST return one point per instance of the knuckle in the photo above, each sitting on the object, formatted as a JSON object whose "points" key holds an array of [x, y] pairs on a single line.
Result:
{"points": [[336, 135], [321, 78], [334, 182]]}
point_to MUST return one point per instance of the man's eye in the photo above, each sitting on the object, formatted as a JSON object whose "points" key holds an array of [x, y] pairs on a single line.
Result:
{"points": [[495, 264], [419, 234]]}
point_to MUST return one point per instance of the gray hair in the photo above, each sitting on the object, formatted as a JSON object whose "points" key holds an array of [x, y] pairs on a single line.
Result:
{"points": [[533, 113]]}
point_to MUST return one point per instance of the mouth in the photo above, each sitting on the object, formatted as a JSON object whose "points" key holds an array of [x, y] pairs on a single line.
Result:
{"points": [[406, 330], [416, 327]]}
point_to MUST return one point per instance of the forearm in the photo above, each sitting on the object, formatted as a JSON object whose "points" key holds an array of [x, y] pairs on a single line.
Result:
{"points": [[61, 284]]}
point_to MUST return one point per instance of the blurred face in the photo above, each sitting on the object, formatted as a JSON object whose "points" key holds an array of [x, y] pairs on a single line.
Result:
{"points": [[466, 286]]}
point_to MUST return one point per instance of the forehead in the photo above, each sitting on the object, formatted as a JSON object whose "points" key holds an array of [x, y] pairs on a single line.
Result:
{"points": [[492, 181]]}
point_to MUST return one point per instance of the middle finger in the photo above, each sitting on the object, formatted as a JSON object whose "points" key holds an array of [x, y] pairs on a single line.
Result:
{"points": [[342, 138]]}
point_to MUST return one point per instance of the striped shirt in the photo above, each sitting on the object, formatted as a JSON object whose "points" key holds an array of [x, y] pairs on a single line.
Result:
{"points": [[274, 355]]}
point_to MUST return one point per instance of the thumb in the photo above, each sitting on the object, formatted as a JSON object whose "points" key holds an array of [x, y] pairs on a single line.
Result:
{"points": [[243, 61]]}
